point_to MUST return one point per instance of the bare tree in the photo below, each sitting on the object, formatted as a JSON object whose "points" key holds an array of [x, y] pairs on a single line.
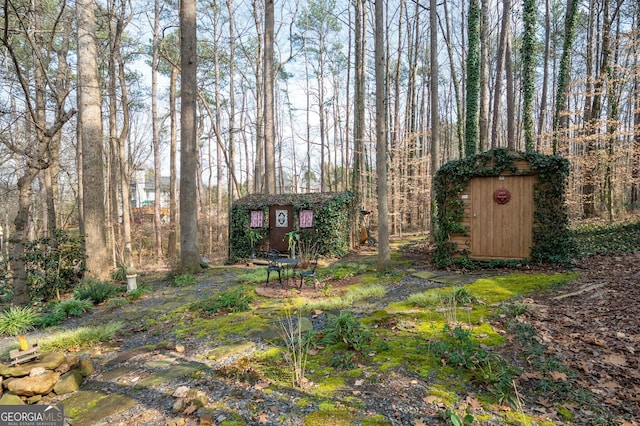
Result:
{"points": [[269, 107], [384, 254], [189, 254]]}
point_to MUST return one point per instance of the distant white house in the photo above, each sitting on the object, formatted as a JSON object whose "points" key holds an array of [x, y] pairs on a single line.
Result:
{"points": [[143, 190]]}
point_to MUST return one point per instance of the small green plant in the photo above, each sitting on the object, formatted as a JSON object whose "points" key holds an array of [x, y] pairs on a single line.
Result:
{"points": [[462, 296], [95, 290], [234, 300], [80, 337], [292, 237], [117, 302], [255, 235], [72, 307], [513, 310], [51, 318], [119, 275], [345, 329], [342, 361], [142, 289], [487, 369], [456, 420], [17, 320], [184, 280]]}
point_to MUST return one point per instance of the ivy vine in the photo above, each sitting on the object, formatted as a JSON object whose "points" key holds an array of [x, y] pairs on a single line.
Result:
{"points": [[332, 213], [551, 237]]}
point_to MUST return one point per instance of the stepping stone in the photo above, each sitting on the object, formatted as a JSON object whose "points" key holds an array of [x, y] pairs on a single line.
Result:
{"points": [[425, 275], [126, 356], [86, 408], [226, 351], [110, 375], [173, 372], [451, 279]]}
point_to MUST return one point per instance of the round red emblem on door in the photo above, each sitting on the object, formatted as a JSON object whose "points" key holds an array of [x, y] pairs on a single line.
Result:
{"points": [[501, 196]]}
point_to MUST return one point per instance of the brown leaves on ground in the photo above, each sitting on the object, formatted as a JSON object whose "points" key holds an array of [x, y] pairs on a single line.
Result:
{"points": [[593, 327]]}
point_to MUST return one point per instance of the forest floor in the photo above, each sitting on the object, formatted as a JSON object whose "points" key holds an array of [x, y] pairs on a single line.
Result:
{"points": [[589, 330]]}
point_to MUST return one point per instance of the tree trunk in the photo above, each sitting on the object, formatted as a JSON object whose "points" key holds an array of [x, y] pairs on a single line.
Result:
{"points": [[384, 254], [435, 119], [90, 124], [528, 72], [511, 99], [155, 124], [500, 60], [189, 254], [473, 79], [563, 73], [172, 249], [545, 72], [269, 109], [483, 113]]}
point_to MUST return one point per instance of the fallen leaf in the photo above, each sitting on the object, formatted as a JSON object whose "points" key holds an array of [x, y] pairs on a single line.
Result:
{"points": [[474, 404], [262, 418], [190, 410], [557, 375], [431, 399], [615, 360]]}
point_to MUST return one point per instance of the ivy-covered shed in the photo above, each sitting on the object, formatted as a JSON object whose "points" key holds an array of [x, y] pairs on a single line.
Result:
{"points": [[312, 223], [502, 205]]}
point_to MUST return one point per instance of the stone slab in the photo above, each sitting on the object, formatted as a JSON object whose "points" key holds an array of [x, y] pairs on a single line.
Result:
{"points": [[425, 275], [226, 351], [86, 408], [173, 372], [113, 374]]}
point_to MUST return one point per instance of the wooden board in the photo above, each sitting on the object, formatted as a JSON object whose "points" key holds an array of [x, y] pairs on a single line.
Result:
{"points": [[497, 231]]}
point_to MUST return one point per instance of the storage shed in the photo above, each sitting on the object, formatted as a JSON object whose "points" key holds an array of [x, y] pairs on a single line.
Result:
{"points": [[502, 205], [317, 223]]}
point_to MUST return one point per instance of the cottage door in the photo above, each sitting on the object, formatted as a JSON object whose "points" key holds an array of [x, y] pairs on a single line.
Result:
{"points": [[280, 222], [502, 217]]}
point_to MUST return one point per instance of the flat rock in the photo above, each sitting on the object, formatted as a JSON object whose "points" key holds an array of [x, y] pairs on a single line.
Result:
{"points": [[86, 366], [41, 384], [86, 408], [226, 351], [11, 399], [173, 372], [69, 382], [48, 361]]}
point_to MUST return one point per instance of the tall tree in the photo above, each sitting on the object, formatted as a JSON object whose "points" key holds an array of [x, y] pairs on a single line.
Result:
{"points": [[90, 124], [435, 118], [635, 169], [500, 62], [384, 254], [528, 72], [269, 100], [189, 255], [359, 97], [563, 76], [483, 111], [473, 79], [155, 127]]}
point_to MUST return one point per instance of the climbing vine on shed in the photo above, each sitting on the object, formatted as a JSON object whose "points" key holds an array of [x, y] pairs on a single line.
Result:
{"points": [[332, 213], [551, 236]]}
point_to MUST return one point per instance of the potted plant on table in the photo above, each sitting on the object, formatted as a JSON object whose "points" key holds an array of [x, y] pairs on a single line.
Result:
{"points": [[293, 237]]}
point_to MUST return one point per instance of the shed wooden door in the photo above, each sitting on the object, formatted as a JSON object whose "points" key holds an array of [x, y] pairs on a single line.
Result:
{"points": [[280, 222], [499, 229]]}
